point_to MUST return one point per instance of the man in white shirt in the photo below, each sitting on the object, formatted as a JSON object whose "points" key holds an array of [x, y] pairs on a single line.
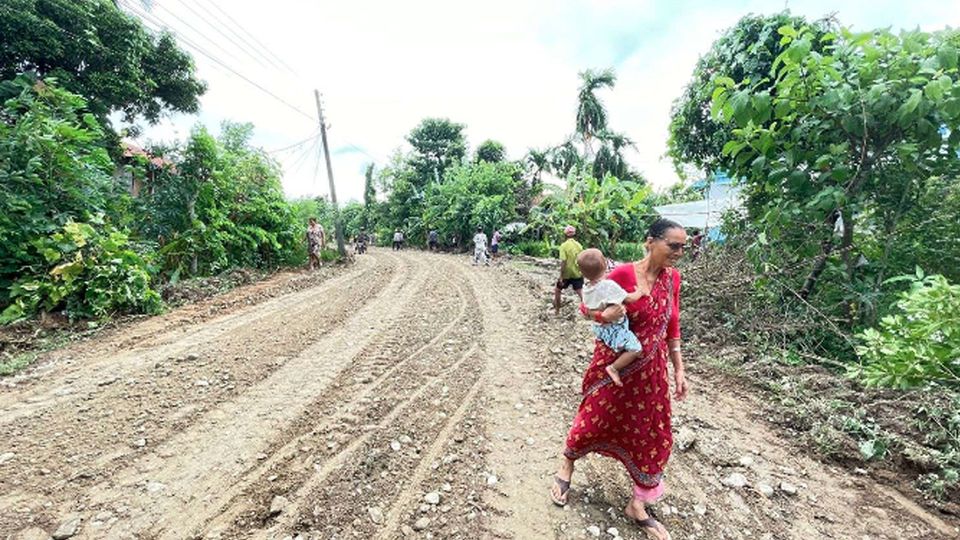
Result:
{"points": [[480, 248]]}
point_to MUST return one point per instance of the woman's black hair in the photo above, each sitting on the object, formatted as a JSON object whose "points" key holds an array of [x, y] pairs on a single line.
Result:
{"points": [[659, 228]]}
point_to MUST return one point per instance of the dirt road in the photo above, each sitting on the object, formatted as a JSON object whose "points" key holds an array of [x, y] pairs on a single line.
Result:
{"points": [[408, 395]]}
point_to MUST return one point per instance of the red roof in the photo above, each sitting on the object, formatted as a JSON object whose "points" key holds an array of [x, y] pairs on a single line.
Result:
{"points": [[130, 150]]}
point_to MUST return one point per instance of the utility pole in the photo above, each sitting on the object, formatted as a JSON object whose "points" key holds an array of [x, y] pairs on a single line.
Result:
{"points": [[338, 224]]}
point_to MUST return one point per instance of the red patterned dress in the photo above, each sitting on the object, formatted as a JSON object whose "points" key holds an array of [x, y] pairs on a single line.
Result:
{"points": [[631, 423]]}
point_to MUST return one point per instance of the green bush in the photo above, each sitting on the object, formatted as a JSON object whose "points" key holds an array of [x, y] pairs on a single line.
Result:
{"points": [[628, 251], [53, 168], [920, 342], [88, 273], [533, 248]]}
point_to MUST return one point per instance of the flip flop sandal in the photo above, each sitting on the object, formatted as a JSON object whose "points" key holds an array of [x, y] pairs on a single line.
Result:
{"points": [[651, 523], [564, 488]]}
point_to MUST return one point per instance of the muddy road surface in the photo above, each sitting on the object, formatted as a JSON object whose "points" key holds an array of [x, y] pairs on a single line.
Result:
{"points": [[408, 395]]}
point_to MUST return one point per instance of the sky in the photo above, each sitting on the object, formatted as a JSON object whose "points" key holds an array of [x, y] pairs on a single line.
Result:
{"points": [[506, 69]]}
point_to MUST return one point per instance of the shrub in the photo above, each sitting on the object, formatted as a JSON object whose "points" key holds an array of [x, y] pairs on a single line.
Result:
{"points": [[533, 248], [920, 342], [88, 273], [628, 251]]}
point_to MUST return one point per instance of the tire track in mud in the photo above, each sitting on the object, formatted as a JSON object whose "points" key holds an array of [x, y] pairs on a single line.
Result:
{"points": [[403, 504], [357, 395], [74, 445], [88, 372], [175, 484], [356, 414]]}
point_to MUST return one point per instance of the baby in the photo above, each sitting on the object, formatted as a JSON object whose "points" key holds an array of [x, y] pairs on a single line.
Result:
{"points": [[598, 293]]}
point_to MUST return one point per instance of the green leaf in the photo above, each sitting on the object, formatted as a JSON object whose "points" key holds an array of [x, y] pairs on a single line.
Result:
{"points": [[787, 30], [952, 107], [761, 107], [725, 82], [933, 90], [799, 49], [909, 106], [739, 104], [947, 56], [732, 148], [782, 108]]}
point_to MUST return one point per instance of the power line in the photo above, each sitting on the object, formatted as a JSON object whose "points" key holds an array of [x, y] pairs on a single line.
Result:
{"points": [[300, 159], [162, 24], [238, 36], [190, 26], [312, 137], [216, 27], [254, 38]]}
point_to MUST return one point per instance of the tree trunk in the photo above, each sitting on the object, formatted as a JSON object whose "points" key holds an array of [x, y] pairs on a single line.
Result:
{"points": [[192, 214], [849, 261], [821, 263]]}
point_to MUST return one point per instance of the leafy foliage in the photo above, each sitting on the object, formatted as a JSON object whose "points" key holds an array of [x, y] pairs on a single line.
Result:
{"points": [[95, 50], [87, 273], [66, 223], [745, 52], [918, 343], [53, 169], [491, 152], [604, 213], [476, 195], [591, 113], [438, 144], [836, 150], [222, 207]]}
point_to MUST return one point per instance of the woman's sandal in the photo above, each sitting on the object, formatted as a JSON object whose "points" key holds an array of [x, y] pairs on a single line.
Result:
{"points": [[652, 523], [564, 488]]}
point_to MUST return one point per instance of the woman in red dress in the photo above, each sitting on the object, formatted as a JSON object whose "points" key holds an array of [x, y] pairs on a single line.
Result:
{"points": [[631, 423]]}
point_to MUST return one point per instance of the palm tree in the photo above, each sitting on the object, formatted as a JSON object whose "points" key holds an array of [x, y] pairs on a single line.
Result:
{"points": [[537, 161], [564, 158], [609, 158], [591, 114]]}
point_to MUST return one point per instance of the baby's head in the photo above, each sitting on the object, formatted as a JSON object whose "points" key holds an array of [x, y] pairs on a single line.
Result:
{"points": [[592, 264]]}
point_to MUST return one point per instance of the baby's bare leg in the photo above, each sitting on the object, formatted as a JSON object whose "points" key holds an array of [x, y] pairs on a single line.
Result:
{"points": [[621, 362]]}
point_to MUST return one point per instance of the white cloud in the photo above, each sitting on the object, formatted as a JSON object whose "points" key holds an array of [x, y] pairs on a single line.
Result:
{"points": [[506, 69]]}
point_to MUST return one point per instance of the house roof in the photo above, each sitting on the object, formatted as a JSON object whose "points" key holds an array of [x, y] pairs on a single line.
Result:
{"points": [[131, 149], [703, 214]]}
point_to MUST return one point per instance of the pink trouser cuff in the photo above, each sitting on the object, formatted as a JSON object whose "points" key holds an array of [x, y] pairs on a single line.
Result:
{"points": [[648, 495]]}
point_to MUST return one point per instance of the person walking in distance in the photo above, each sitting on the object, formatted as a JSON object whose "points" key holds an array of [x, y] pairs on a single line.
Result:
{"points": [[495, 243], [362, 240], [316, 239], [397, 240], [433, 239], [570, 275], [480, 248]]}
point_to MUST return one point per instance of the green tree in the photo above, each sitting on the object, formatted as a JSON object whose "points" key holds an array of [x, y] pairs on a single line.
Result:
{"points": [[53, 169], [222, 207], [610, 159], [490, 151], [438, 144], [605, 212], [565, 158], [591, 112], [745, 52], [846, 140], [95, 50], [475, 195], [369, 197]]}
